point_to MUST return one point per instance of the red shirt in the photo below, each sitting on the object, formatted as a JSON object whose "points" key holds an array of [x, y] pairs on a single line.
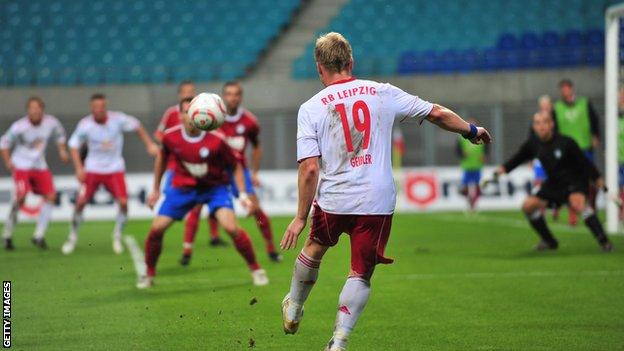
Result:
{"points": [[201, 161], [239, 130], [170, 118]]}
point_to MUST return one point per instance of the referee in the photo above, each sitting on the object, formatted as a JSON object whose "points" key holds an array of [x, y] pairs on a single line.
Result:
{"points": [[569, 173]]}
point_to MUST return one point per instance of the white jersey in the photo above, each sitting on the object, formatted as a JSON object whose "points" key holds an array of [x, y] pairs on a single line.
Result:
{"points": [[104, 141], [349, 125], [29, 141]]}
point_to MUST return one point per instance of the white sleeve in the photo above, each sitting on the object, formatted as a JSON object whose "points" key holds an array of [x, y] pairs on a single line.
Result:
{"points": [[307, 138], [407, 105], [8, 139], [58, 132], [78, 137], [129, 123]]}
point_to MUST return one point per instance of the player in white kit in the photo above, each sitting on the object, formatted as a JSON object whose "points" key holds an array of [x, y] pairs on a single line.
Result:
{"points": [[102, 132], [344, 137], [28, 137]]}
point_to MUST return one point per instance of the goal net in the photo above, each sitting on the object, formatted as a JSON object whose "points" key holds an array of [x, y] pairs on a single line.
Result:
{"points": [[614, 22]]}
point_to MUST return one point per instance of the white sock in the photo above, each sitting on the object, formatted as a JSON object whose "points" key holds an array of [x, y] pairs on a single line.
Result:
{"points": [[303, 279], [75, 224], [9, 225], [351, 303], [44, 218], [120, 223]]}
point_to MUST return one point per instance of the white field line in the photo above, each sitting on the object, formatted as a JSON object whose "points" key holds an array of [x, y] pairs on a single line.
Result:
{"points": [[137, 255], [509, 222]]}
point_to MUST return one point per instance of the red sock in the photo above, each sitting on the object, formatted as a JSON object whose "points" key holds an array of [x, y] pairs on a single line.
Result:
{"points": [[214, 227], [264, 224], [190, 228], [153, 246], [244, 247]]}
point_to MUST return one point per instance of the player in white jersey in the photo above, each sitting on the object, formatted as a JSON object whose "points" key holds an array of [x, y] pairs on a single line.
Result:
{"points": [[102, 132], [344, 137], [28, 137]]}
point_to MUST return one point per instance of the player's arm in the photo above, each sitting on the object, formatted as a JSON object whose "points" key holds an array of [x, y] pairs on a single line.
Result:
{"points": [[6, 142], [75, 143], [576, 155], [256, 157], [160, 165], [307, 182], [150, 146], [61, 144], [523, 155], [239, 180], [594, 125], [448, 120]]}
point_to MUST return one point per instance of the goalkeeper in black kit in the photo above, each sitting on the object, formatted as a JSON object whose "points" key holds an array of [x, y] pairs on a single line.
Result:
{"points": [[569, 173]]}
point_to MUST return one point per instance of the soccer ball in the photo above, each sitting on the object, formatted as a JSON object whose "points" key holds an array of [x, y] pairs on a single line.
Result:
{"points": [[207, 111]]}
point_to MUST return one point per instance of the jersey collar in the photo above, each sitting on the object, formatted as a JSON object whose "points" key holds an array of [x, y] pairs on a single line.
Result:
{"points": [[193, 139], [235, 117], [346, 80]]}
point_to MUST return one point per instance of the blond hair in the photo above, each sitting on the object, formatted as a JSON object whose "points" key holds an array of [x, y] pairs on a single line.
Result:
{"points": [[333, 52]]}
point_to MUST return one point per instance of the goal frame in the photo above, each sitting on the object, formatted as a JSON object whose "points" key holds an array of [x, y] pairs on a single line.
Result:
{"points": [[612, 28]]}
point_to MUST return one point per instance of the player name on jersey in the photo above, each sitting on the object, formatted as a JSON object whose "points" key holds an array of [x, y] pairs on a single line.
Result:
{"points": [[347, 93]]}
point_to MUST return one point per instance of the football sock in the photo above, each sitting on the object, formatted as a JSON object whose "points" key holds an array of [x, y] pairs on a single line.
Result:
{"points": [[153, 247], [593, 223], [351, 303], [304, 276], [42, 221], [75, 225], [214, 227], [120, 223], [10, 222], [188, 248], [536, 219], [245, 249], [264, 224], [191, 224]]}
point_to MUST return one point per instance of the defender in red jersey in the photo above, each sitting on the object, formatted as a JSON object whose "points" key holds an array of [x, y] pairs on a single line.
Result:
{"points": [[349, 126], [204, 164], [241, 129]]}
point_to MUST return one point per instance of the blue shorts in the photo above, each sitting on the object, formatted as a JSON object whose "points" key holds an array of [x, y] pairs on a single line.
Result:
{"points": [[178, 201], [248, 183], [168, 177], [538, 171], [471, 177], [589, 154], [621, 175]]}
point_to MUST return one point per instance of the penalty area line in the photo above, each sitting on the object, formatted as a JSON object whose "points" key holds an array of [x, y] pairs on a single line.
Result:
{"points": [[136, 254]]}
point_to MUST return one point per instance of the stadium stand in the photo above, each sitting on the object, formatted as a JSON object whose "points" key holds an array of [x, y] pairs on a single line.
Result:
{"points": [[420, 36], [69, 42]]}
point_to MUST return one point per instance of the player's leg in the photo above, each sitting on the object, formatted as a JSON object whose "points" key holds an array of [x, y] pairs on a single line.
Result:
{"points": [[44, 186], [578, 203], [368, 241], [219, 201], [86, 192], [190, 230], [325, 229], [22, 187], [227, 220], [621, 186], [116, 186], [215, 238], [264, 225], [533, 208], [176, 205], [464, 187]]}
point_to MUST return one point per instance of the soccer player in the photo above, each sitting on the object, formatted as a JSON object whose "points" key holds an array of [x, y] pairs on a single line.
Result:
{"points": [[568, 175], [241, 128], [472, 159], [201, 176], [102, 132], [28, 137], [344, 137]]}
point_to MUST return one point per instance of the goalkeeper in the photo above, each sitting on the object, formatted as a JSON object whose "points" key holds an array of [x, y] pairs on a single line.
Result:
{"points": [[569, 173]]}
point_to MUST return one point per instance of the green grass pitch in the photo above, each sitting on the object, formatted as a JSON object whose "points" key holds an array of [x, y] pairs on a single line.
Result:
{"points": [[458, 283]]}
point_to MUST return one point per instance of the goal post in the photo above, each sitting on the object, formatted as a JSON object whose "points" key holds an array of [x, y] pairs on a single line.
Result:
{"points": [[612, 64]]}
